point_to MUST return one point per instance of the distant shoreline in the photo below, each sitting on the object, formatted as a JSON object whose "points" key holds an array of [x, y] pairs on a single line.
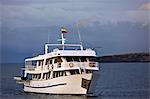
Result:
{"points": [[129, 57], [121, 58]]}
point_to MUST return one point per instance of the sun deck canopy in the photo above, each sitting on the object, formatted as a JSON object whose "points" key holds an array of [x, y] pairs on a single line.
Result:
{"points": [[57, 52]]}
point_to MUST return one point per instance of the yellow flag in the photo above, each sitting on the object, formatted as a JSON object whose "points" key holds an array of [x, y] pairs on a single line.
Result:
{"points": [[63, 30]]}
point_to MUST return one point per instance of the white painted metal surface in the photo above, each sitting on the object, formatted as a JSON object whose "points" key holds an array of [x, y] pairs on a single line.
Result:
{"points": [[60, 71], [66, 85]]}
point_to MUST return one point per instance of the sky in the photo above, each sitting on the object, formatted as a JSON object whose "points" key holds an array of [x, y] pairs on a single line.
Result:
{"points": [[117, 26]]}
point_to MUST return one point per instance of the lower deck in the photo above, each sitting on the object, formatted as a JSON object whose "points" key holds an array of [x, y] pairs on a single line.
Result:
{"points": [[73, 84], [54, 74]]}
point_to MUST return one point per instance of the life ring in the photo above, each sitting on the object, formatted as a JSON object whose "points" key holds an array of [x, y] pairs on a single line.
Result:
{"points": [[71, 64], [92, 64]]}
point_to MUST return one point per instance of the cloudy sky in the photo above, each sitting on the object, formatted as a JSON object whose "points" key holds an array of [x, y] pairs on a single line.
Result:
{"points": [[118, 26]]}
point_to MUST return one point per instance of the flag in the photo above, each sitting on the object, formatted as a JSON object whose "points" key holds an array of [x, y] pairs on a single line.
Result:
{"points": [[63, 30]]}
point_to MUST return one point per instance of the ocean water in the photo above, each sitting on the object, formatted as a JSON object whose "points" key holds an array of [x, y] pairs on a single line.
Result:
{"points": [[113, 81]]}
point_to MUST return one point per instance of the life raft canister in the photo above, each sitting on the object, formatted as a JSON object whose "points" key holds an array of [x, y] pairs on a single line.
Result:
{"points": [[71, 64]]}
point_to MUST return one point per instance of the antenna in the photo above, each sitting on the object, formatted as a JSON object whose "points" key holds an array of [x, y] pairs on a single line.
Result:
{"points": [[46, 46], [79, 37], [48, 40]]}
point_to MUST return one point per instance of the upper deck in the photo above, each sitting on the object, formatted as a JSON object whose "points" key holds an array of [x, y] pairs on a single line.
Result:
{"points": [[62, 58], [57, 52], [61, 50], [61, 61]]}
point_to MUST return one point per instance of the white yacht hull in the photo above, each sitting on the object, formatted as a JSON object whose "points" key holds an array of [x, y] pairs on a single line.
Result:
{"points": [[61, 85]]}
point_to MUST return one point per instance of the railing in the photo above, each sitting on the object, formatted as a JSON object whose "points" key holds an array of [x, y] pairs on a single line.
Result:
{"points": [[29, 68], [81, 64], [66, 64]]}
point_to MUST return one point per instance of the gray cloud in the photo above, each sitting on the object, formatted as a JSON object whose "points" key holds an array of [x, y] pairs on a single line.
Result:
{"points": [[26, 2], [116, 25], [123, 37], [56, 12]]}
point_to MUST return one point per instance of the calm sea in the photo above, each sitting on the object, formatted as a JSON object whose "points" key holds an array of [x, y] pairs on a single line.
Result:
{"points": [[113, 81]]}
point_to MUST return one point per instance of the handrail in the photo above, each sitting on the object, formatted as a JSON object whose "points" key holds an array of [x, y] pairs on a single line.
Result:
{"points": [[32, 66], [29, 67]]}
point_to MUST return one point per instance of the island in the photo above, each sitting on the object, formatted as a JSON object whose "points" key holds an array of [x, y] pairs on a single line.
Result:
{"points": [[127, 57]]}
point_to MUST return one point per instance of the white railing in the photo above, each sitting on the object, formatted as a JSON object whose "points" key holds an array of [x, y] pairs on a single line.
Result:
{"points": [[81, 64], [29, 68], [63, 65]]}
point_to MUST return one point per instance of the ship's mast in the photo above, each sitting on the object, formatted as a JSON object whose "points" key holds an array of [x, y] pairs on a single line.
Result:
{"points": [[63, 41], [63, 31]]}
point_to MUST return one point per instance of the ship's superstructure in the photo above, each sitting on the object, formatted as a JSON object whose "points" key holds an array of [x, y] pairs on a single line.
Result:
{"points": [[60, 71]]}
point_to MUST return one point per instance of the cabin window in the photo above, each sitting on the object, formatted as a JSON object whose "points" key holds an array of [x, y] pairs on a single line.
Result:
{"points": [[89, 71], [69, 59], [41, 62], [48, 61], [63, 73], [76, 59], [43, 76], [30, 63], [82, 71], [92, 59], [83, 59], [46, 75], [59, 74], [34, 63], [51, 61], [72, 72], [49, 75], [36, 76], [54, 73], [39, 76], [55, 61], [29, 76]]}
